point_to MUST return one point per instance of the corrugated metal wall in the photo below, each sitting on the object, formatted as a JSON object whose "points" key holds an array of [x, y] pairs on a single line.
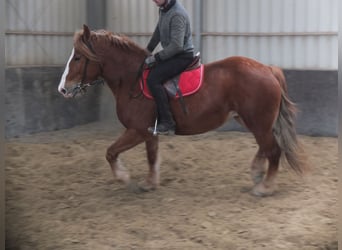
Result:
{"points": [[136, 18], [40, 32], [289, 33], [293, 34]]}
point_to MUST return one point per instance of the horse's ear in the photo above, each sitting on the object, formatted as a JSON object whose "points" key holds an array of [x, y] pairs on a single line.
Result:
{"points": [[86, 32]]}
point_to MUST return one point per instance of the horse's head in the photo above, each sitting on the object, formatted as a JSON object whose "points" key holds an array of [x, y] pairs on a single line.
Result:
{"points": [[83, 68]]}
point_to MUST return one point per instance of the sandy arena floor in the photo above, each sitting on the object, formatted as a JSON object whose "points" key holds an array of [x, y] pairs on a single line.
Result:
{"points": [[61, 195]]}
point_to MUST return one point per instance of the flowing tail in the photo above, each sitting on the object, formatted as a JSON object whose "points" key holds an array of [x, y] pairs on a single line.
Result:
{"points": [[284, 129]]}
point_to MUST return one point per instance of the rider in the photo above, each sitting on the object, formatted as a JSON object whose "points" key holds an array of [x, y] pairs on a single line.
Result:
{"points": [[173, 31]]}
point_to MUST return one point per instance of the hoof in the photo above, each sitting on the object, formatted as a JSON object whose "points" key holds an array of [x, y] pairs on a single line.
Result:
{"points": [[261, 190], [147, 186], [139, 188], [134, 188], [257, 176], [123, 177]]}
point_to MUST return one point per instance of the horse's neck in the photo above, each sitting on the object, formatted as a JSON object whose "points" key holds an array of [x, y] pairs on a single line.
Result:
{"points": [[120, 75]]}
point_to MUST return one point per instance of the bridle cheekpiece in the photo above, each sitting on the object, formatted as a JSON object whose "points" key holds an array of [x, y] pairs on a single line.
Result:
{"points": [[81, 87]]}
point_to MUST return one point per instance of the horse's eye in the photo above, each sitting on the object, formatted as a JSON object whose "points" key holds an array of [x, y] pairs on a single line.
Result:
{"points": [[77, 58]]}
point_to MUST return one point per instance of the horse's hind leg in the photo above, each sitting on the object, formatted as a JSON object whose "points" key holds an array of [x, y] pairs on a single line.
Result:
{"points": [[259, 161], [152, 180], [127, 140], [258, 167], [272, 152]]}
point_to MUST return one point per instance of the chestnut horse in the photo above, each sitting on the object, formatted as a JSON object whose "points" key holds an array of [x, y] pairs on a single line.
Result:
{"points": [[253, 93]]}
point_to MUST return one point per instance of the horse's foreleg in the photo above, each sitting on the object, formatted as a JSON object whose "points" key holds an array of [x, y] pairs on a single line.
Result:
{"points": [[127, 140], [152, 180]]}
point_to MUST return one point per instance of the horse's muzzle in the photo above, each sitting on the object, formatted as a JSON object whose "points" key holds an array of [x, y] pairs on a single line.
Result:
{"points": [[73, 91]]}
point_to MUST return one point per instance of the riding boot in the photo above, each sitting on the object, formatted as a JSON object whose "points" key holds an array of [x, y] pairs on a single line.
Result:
{"points": [[166, 123]]}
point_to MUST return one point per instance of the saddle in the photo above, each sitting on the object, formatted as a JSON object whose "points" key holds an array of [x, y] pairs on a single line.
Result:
{"points": [[186, 83]]}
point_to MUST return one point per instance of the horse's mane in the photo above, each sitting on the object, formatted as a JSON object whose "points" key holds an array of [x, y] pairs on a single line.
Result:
{"points": [[106, 38]]}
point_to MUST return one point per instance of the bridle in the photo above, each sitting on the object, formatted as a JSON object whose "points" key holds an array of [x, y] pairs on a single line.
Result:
{"points": [[81, 87]]}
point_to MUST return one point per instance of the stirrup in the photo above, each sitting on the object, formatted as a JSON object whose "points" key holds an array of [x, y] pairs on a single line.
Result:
{"points": [[155, 127], [155, 132]]}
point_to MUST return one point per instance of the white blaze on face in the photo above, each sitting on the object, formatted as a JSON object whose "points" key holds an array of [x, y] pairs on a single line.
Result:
{"points": [[66, 71]]}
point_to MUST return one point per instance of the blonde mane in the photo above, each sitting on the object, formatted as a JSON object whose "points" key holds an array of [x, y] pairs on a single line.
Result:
{"points": [[106, 38]]}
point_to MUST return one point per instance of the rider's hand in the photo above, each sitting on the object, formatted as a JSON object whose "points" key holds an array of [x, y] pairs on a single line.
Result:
{"points": [[150, 61]]}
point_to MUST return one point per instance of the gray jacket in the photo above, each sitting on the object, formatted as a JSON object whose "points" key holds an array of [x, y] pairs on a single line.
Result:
{"points": [[173, 31]]}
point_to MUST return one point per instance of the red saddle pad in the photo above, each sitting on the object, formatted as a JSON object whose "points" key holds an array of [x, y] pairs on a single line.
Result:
{"points": [[189, 82]]}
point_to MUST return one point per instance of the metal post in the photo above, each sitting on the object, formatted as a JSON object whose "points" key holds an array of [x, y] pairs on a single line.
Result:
{"points": [[340, 120], [2, 119], [198, 4], [96, 14]]}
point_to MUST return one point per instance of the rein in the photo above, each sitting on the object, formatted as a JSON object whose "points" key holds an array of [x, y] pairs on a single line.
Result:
{"points": [[138, 77], [82, 87]]}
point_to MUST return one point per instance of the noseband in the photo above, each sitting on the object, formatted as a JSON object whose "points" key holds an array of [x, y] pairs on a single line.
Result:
{"points": [[82, 87]]}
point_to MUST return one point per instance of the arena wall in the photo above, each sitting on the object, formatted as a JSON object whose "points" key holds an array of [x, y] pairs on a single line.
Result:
{"points": [[314, 93], [33, 103], [299, 36]]}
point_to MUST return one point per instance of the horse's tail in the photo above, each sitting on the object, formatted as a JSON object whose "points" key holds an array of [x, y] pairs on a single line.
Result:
{"points": [[279, 74], [284, 128]]}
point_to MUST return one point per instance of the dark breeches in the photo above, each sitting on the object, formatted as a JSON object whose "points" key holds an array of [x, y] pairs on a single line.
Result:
{"points": [[165, 70]]}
